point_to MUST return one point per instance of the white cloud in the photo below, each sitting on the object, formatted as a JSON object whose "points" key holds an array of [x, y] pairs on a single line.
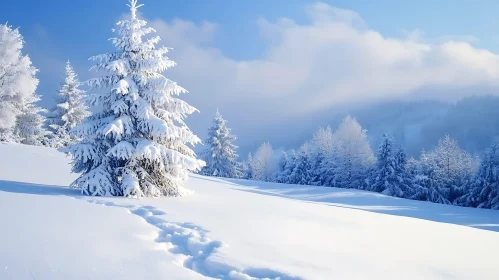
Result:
{"points": [[333, 60]]}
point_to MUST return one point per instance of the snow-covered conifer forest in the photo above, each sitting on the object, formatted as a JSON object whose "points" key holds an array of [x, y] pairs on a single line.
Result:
{"points": [[122, 139]]}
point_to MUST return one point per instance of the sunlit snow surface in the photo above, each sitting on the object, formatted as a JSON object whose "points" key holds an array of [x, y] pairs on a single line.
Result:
{"points": [[232, 229]]}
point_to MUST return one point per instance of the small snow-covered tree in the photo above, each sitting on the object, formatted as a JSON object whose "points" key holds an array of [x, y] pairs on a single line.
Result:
{"points": [[413, 166], [30, 125], [136, 142], [452, 166], [17, 86], [352, 155], [427, 186], [484, 189], [321, 156], [390, 175], [247, 172], [281, 176], [221, 156], [404, 175], [285, 175], [262, 164], [302, 172], [69, 111]]}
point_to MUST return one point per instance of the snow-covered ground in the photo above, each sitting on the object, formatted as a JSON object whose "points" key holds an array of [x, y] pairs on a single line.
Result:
{"points": [[229, 230]]}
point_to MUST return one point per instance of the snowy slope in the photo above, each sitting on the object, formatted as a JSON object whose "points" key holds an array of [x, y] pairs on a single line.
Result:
{"points": [[229, 230]]}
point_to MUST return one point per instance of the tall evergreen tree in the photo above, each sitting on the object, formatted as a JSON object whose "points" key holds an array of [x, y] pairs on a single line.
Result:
{"points": [[18, 114], [484, 190], [221, 156], [136, 142], [69, 111]]}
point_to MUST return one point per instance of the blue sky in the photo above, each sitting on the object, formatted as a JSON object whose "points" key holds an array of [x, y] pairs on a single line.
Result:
{"points": [[264, 56]]}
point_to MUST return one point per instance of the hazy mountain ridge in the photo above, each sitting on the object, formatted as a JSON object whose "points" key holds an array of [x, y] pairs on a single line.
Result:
{"points": [[415, 125]]}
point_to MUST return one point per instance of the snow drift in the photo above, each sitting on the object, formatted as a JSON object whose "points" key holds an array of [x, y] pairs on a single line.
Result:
{"points": [[233, 229]]}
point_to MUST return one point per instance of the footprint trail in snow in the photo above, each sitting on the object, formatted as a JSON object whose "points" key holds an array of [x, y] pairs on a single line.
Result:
{"points": [[193, 249]]}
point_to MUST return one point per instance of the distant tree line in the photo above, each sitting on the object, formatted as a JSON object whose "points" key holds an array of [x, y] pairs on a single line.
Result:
{"points": [[343, 158]]}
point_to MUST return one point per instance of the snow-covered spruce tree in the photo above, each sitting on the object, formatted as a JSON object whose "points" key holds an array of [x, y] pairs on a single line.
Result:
{"points": [[69, 111], [484, 189], [221, 156], [302, 173], [262, 164], [390, 176], [17, 82], [135, 144], [353, 157]]}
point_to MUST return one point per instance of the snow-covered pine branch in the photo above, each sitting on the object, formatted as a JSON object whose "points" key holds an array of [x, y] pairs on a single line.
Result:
{"points": [[136, 143], [221, 155], [70, 110]]}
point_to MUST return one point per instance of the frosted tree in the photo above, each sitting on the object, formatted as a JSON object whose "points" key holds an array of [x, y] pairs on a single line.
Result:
{"points": [[427, 186], [404, 175], [135, 143], [30, 125], [69, 111], [390, 175], [17, 85], [281, 176], [413, 166], [321, 156], [221, 156], [302, 172], [284, 175], [247, 172], [262, 163], [352, 155], [452, 166], [484, 189]]}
